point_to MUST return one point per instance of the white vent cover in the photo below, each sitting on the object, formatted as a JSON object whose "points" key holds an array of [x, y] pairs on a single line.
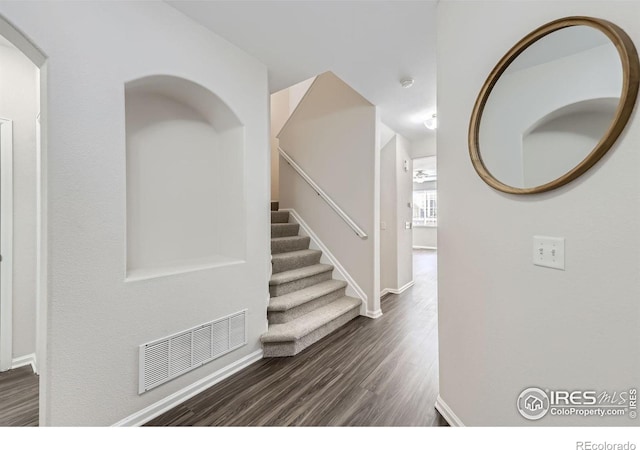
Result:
{"points": [[164, 359]]}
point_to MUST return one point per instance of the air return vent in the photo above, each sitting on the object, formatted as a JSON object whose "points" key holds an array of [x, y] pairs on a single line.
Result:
{"points": [[169, 357]]}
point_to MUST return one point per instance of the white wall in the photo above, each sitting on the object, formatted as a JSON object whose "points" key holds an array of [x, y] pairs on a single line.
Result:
{"points": [[332, 136], [505, 324], [388, 217], [425, 237], [283, 103], [279, 114], [396, 259], [385, 134], [404, 208], [19, 102], [95, 319], [297, 92]]}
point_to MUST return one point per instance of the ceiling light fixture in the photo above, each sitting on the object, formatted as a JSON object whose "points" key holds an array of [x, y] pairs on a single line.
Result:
{"points": [[407, 82], [420, 176], [432, 122]]}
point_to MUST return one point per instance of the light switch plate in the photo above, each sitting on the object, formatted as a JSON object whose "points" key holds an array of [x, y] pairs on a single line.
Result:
{"points": [[407, 225], [548, 252], [383, 225]]}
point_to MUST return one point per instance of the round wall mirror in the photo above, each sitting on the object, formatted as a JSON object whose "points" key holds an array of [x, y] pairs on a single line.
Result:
{"points": [[554, 105]]}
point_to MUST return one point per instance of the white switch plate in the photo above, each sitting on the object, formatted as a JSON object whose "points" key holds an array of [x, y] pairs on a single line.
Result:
{"points": [[407, 225], [548, 252], [383, 225]]}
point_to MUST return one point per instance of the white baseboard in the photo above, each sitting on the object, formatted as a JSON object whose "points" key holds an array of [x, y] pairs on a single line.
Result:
{"points": [[447, 413], [373, 314], [396, 291], [422, 247], [145, 415], [26, 360], [353, 288]]}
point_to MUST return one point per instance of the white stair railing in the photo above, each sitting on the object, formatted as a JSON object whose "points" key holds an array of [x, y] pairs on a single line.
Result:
{"points": [[359, 232]]}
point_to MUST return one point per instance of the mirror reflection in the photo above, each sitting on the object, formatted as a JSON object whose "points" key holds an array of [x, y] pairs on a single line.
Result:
{"points": [[551, 107]]}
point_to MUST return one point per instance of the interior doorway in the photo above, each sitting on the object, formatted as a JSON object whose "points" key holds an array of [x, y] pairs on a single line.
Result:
{"points": [[6, 244], [22, 224], [425, 203]]}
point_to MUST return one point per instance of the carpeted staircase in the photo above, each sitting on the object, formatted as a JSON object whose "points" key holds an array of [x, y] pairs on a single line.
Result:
{"points": [[306, 303]]}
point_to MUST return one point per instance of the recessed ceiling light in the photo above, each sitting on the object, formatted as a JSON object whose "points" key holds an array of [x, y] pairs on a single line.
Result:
{"points": [[432, 122], [407, 82]]}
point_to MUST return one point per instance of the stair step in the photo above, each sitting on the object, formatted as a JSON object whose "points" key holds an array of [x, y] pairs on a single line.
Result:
{"points": [[288, 339], [284, 229], [306, 304], [279, 216], [295, 260], [289, 244], [291, 306], [301, 327], [293, 280], [297, 298]]}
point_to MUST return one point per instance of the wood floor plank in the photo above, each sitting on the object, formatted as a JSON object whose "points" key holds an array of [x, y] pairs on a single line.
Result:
{"points": [[19, 398], [381, 372]]}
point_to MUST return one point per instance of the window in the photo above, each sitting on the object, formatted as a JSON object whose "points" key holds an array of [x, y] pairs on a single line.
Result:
{"points": [[425, 208]]}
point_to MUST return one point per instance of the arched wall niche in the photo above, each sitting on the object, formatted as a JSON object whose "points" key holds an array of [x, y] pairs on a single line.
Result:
{"points": [[553, 144], [185, 178]]}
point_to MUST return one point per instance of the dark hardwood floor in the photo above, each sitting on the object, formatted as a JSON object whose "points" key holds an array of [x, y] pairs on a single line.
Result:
{"points": [[381, 372], [18, 398]]}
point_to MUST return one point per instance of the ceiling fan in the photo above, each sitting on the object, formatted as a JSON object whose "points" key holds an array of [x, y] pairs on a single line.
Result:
{"points": [[420, 176]]}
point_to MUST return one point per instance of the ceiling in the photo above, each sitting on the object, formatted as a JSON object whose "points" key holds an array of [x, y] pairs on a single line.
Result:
{"points": [[371, 45], [427, 164], [559, 44]]}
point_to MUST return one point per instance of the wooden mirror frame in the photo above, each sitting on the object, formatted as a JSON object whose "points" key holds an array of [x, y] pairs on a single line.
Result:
{"points": [[631, 80]]}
